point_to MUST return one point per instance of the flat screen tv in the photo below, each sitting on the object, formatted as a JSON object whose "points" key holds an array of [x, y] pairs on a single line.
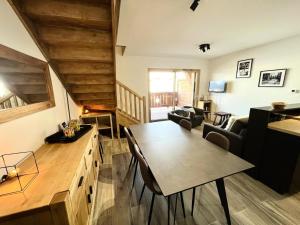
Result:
{"points": [[218, 86]]}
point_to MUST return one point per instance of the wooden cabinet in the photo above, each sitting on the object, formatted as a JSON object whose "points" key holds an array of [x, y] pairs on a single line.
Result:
{"points": [[64, 192]]}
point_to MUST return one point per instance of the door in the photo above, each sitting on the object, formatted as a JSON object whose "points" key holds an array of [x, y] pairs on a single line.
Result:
{"points": [[170, 90]]}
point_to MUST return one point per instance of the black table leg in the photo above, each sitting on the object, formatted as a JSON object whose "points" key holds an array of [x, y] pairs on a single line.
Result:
{"points": [[175, 208], [223, 198], [182, 204]]}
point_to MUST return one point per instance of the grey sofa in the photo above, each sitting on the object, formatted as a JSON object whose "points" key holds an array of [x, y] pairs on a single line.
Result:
{"points": [[236, 135]]}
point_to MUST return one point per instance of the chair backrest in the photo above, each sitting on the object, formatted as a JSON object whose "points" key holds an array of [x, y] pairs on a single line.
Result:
{"points": [[148, 178], [218, 139], [130, 141], [185, 124]]}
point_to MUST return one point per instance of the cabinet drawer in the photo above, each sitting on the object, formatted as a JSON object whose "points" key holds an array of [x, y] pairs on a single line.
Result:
{"points": [[89, 153], [77, 187]]}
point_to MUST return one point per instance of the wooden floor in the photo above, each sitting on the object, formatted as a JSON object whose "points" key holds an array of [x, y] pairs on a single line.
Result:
{"points": [[250, 202]]}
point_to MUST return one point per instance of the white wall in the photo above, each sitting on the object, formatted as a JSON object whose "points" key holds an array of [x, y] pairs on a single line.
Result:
{"points": [[133, 70], [28, 133], [244, 93]]}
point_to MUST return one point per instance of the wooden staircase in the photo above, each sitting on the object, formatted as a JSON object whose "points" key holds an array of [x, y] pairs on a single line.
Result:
{"points": [[11, 101], [131, 107], [78, 40]]}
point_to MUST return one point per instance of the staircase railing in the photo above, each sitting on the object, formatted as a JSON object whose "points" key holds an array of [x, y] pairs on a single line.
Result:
{"points": [[131, 103], [10, 101]]}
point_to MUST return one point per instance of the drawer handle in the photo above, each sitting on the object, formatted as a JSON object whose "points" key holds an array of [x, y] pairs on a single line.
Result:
{"points": [[96, 163], [80, 181], [89, 198], [90, 152], [91, 190]]}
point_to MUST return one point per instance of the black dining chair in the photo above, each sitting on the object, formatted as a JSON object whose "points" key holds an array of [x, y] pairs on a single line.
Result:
{"points": [[133, 160], [185, 124], [220, 140], [151, 184]]}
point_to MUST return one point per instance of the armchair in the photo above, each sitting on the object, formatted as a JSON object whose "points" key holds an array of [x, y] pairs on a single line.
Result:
{"points": [[195, 118]]}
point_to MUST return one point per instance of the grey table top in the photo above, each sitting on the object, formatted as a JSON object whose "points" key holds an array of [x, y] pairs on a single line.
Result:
{"points": [[180, 159]]}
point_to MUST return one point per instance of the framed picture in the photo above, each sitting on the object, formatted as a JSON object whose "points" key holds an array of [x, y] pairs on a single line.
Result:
{"points": [[244, 68], [272, 78]]}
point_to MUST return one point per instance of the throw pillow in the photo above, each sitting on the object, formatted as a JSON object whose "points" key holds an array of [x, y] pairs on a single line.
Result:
{"points": [[230, 123]]}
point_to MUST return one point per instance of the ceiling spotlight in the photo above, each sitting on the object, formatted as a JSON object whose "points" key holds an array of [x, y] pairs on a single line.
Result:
{"points": [[195, 5], [204, 47]]}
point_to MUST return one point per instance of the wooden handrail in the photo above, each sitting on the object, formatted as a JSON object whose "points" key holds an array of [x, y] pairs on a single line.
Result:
{"points": [[131, 103], [124, 86]]}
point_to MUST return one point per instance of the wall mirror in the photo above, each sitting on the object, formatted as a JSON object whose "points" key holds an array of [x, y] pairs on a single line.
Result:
{"points": [[25, 85]]}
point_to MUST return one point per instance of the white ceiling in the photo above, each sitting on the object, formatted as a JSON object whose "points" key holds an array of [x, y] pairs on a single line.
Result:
{"points": [[170, 28]]}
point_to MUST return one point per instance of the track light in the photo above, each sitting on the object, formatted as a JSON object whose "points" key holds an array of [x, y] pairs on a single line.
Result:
{"points": [[204, 47], [195, 5]]}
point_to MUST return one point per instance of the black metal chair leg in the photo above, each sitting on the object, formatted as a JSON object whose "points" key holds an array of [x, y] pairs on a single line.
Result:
{"points": [[223, 198], [102, 149], [151, 208], [141, 196], [182, 204], [100, 153], [135, 170], [101, 157], [193, 200], [169, 210], [175, 208], [130, 162]]}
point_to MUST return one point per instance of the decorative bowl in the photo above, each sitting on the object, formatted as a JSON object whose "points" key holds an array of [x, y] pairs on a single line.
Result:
{"points": [[278, 105]]}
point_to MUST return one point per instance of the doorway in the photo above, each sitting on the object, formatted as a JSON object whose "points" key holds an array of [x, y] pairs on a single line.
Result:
{"points": [[170, 90]]}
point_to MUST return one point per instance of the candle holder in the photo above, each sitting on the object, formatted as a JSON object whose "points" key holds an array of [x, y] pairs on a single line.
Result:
{"points": [[17, 171]]}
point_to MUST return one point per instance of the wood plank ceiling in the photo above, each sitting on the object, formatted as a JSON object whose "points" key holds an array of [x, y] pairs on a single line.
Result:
{"points": [[77, 40]]}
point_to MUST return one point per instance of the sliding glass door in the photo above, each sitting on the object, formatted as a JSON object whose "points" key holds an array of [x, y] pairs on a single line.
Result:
{"points": [[170, 90]]}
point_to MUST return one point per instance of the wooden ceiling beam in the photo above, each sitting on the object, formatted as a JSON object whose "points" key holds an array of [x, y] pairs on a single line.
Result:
{"points": [[71, 36], [81, 54], [85, 68], [70, 13], [76, 89]]}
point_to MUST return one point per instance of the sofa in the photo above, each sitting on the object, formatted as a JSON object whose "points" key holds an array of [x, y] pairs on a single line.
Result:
{"points": [[192, 114], [236, 133]]}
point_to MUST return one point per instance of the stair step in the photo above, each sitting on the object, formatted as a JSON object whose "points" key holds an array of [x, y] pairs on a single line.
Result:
{"points": [[68, 13], [78, 54], [89, 79], [92, 88], [85, 68], [73, 36], [111, 102], [95, 96]]}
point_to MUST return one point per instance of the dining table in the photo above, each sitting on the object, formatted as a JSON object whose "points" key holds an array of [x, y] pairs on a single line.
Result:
{"points": [[180, 159]]}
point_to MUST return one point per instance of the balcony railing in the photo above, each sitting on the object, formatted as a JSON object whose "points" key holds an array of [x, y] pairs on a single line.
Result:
{"points": [[163, 99]]}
